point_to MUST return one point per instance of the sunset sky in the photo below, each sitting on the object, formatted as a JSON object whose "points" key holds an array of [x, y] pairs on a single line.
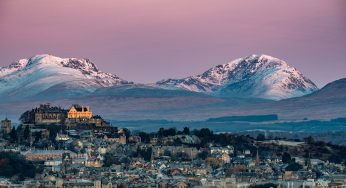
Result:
{"points": [[148, 40]]}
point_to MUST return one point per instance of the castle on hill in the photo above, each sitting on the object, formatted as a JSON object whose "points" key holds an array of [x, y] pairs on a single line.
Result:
{"points": [[76, 115]]}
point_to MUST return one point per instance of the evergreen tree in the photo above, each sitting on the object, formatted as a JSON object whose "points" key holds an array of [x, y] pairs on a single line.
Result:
{"points": [[145, 137], [127, 132], [28, 117], [293, 167], [13, 135], [26, 132], [38, 136], [260, 137], [286, 158], [186, 131], [13, 164]]}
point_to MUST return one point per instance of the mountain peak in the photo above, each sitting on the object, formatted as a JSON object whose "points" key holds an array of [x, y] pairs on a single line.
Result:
{"points": [[257, 76], [42, 73], [46, 61], [43, 59], [75, 63]]}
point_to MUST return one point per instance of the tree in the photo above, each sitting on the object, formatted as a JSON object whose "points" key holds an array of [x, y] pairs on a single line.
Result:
{"points": [[267, 185], [260, 137], [127, 132], [13, 135], [213, 162], [286, 158], [12, 164], [110, 159], [205, 134], [160, 132], [26, 133], [166, 132], [309, 140], [145, 137], [294, 167], [335, 158], [145, 153], [75, 171], [177, 142], [171, 132], [167, 153], [27, 117], [53, 131], [186, 131], [202, 155], [182, 156], [38, 136]]}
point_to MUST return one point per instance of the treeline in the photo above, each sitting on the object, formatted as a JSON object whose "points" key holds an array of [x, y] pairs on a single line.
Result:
{"points": [[251, 118], [205, 135], [23, 135], [13, 165], [317, 149]]}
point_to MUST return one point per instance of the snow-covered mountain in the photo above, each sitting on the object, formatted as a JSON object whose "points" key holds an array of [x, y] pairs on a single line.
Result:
{"points": [[256, 76], [47, 75]]}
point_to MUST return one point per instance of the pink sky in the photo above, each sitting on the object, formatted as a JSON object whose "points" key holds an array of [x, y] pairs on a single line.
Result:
{"points": [[148, 40]]}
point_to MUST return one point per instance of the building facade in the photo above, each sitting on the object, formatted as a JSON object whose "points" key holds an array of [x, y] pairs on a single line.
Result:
{"points": [[47, 114], [79, 112]]}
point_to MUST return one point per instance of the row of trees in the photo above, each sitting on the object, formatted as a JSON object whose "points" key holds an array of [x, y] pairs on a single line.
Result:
{"points": [[14, 165], [23, 135], [205, 135]]}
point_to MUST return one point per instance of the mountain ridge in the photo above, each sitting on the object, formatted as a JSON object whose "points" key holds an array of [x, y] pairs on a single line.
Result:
{"points": [[254, 76]]}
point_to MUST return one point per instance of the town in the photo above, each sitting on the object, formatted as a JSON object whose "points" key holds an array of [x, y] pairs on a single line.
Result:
{"points": [[55, 147]]}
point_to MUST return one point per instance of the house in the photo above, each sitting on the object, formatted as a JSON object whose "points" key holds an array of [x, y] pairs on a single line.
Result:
{"points": [[62, 137], [222, 150], [226, 158], [44, 155], [180, 184]]}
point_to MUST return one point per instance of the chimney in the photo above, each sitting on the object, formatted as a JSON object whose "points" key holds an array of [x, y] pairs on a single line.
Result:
{"points": [[88, 108], [82, 108]]}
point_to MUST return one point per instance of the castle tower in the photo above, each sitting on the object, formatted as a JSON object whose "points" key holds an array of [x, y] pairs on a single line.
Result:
{"points": [[6, 126], [308, 162], [257, 162]]}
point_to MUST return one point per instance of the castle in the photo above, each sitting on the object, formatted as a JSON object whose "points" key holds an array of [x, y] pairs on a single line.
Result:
{"points": [[76, 115]]}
